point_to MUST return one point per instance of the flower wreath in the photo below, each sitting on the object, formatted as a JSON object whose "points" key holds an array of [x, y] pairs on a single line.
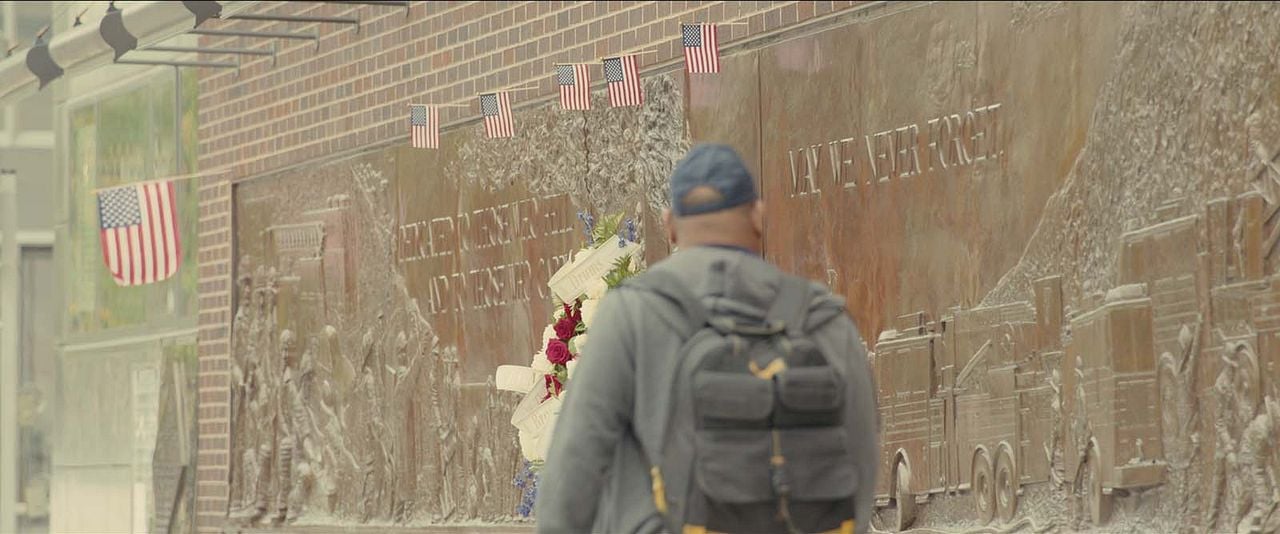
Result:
{"points": [[613, 239]]}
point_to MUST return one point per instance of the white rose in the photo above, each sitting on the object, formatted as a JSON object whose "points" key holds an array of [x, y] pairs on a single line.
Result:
{"points": [[530, 446], [573, 364], [588, 311], [548, 334], [597, 289], [541, 364]]}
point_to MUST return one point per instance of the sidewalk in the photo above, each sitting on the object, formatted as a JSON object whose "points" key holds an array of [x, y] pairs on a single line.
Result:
{"points": [[442, 529]]}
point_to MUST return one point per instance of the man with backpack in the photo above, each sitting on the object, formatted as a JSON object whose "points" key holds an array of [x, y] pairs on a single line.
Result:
{"points": [[717, 394]]}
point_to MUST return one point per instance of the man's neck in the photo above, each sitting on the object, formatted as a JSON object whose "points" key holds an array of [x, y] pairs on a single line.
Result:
{"points": [[748, 247]]}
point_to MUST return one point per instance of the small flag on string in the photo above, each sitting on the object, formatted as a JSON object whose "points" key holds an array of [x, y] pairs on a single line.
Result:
{"points": [[424, 126], [623, 77], [139, 232], [575, 86], [496, 108], [701, 48]]}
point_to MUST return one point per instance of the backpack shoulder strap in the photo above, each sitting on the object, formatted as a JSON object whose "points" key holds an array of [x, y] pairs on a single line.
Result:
{"points": [[791, 306], [669, 286]]}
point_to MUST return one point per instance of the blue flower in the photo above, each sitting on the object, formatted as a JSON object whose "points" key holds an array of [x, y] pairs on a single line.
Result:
{"points": [[588, 223], [627, 233], [527, 481]]}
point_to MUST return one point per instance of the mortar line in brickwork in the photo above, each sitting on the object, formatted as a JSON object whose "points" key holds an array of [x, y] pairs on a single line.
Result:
{"points": [[310, 7], [517, 24], [282, 63], [282, 53], [439, 92], [746, 41], [396, 66]]}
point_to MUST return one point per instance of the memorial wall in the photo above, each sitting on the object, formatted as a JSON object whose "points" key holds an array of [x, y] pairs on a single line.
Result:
{"points": [[1054, 225]]}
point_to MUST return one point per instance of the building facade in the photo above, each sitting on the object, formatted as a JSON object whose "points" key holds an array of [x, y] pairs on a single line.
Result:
{"points": [[1053, 224], [26, 149], [346, 96]]}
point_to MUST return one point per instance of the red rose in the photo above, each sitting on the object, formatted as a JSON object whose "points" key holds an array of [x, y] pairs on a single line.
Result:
{"points": [[558, 352], [554, 387], [566, 328]]}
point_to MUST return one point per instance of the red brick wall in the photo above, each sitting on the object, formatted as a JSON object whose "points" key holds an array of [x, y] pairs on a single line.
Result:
{"points": [[351, 92]]}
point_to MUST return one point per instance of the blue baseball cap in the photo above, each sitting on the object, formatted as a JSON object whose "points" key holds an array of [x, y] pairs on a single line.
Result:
{"points": [[718, 167]]}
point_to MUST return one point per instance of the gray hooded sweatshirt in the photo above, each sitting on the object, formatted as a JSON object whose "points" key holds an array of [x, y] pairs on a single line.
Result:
{"points": [[596, 477]]}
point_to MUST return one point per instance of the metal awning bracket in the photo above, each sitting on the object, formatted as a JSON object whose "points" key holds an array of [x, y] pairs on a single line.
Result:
{"points": [[295, 18], [209, 50], [393, 3], [175, 63], [264, 34]]}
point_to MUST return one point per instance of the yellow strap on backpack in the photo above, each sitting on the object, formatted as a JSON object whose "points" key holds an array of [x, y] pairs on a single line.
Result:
{"points": [[659, 490], [845, 528]]}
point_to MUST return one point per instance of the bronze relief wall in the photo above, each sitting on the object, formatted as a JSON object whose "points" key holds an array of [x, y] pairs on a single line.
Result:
{"points": [[1054, 223], [378, 293]]}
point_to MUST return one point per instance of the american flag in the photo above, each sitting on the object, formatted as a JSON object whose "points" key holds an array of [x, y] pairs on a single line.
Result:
{"points": [[496, 108], [575, 86], [424, 126], [139, 232], [701, 48], [623, 76]]}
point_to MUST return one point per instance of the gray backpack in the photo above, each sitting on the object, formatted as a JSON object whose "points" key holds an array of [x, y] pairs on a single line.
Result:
{"points": [[754, 440]]}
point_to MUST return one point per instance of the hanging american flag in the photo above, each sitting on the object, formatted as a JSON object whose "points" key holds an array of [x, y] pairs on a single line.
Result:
{"points": [[496, 108], [623, 77], [701, 48], [139, 232], [575, 86], [424, 126]]}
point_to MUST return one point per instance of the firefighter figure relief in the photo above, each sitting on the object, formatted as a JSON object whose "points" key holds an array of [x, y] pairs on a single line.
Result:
{"points": [[1065, 266], [345, 405]]}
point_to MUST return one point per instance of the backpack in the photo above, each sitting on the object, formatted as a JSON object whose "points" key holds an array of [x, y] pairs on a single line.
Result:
{"points": [[754, 437]]}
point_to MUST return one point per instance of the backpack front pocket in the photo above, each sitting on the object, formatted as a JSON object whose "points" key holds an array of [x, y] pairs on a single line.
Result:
{"points": [[809, 397], [732, 401]]}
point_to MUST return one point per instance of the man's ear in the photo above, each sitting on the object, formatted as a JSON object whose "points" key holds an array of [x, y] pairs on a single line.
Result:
{"points": [[757, 216], [669, 225]]}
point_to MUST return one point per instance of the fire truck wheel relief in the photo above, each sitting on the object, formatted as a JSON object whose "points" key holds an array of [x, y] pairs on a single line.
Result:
{"points": [[983, 488], [906, 499], [1006, 487]]}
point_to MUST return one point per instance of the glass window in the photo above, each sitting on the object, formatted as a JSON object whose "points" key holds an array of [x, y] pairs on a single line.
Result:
{"points": [[125, 138], [84, 253], [36, 387]]}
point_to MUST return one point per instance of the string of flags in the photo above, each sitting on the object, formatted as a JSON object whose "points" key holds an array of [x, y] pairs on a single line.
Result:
{"points": [[138, 223], [700, 42]]}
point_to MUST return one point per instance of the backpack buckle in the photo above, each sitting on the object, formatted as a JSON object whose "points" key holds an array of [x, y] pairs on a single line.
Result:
{"points": [[726, 326]]}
